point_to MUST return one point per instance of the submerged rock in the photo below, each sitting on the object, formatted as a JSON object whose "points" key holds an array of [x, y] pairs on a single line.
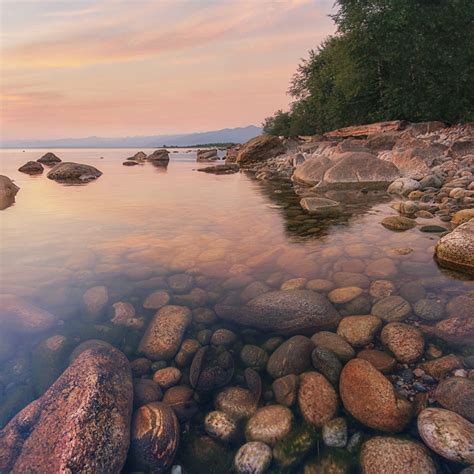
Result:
{"points": [[32, 167], [448, 434], [80, 424], [398, 223], [386, 454], [221, 169], [207, 155], [320, 206], [284, 311], [456, 249], [74, 173], [155, 437], [253, 458], [370, 397], [239, 403], [457, 394], [291, 357], [269, 424], [211, 368]]}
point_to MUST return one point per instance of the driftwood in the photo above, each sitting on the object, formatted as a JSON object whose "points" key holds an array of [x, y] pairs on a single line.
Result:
{"points": [[366, 130]]}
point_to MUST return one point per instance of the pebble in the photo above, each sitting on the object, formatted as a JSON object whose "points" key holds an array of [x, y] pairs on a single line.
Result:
{"points": [[335, 433], [253, 458], [269, 424], [220, 426], [359, 330]]}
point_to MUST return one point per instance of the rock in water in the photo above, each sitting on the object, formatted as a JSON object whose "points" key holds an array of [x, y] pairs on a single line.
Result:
{"points": [[260, 148], [73, 173], [155, 437], [49, 159], [32, 167], [370, 397], [207, 155], [221, 169], [269, 424], [284, 311], [8, 192], [253, 458], [19, 316], [159, 155], [447, 434], [456, 249], [80, 424], [320, 206], [386, 454], [163, 336], [291, 357], [403, 186], [457, 394]]}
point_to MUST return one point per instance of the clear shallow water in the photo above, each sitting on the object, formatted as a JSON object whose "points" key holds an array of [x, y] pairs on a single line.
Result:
{"points": [[135, 226]]}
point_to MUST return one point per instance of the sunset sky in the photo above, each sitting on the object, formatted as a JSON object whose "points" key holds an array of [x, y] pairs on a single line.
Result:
{"points": [[145, 67]]}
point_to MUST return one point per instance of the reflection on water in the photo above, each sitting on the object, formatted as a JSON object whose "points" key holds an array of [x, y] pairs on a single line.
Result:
{"points": [[136, 226]]}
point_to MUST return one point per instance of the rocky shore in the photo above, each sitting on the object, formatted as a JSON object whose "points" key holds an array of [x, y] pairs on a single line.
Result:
{"points": [[350, 358]]}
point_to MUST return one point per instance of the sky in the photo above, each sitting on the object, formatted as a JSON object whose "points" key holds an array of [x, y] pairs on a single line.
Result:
{"points": [[147, 67]]}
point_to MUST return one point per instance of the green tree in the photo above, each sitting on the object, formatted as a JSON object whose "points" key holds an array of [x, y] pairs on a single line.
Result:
{"points": [[278, 124]]}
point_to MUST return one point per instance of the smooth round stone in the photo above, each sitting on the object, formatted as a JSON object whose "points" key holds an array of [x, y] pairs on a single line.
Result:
{"points": [[272, 343], [291, 357], [344, 295], [381, 268], [186, 352], [381, 289], [320, 285], [457, 394], [145, 391], [398, 223], [404, 341], [156, 300], [223, 337], [360, 305], [94, 302], [181, 283], [412, 291], [441, 367], [253, 458], [461, 306], [391, 309], [326, 362], [358, 250], [447, 434], [433, 228], [359, 330], [370, 397], [379, 359], [167, 377], [269, 424], [204, 316], [462, 216], [294, 284], [317, 399], [253, 290], [335, 433], [237, 402], [383, 454], [344, 279], [140, 366], [155, 437], [335, 343], [430, 310], [180, 399], [285, 389], [124, 315], [212, 367], [253, 356], [320, 206], [219, 425]]}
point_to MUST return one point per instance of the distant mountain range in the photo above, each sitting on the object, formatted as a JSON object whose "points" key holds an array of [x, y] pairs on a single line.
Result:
{"points": [[226, 135]]}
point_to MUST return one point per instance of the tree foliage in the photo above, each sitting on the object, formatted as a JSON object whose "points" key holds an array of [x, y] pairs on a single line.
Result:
{"points": [[389, 59]]}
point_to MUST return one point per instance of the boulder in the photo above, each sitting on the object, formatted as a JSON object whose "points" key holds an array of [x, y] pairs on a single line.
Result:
{"points": [[165, 332], [155, 437], [291, 357], [80, 424], [159, 155], [259, 149], [456, 249], [311, 172], [447, 434], [317, 399], [320, 206], [359, 170], [139, 157], [49, 159], [19, 316], [383, 454], [73, 172], [207, 155], [367, 130], [32, 167], [370, 398], [8, 192], [284, 311], [457, 394], [403, 186]]}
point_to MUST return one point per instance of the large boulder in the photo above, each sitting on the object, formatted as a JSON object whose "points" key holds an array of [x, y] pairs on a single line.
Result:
{"points": [[456, 249], [8, 192], [159, 155], [73, 172], [311, 172], [20, 316], [31, 167], [49, 159], [359, 170], [284, 311], [370, 397], [260, 148], [367, 130], [80, 424]]}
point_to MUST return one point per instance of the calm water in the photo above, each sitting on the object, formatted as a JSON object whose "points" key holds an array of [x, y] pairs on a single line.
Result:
{"points": [[135, 225]]}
